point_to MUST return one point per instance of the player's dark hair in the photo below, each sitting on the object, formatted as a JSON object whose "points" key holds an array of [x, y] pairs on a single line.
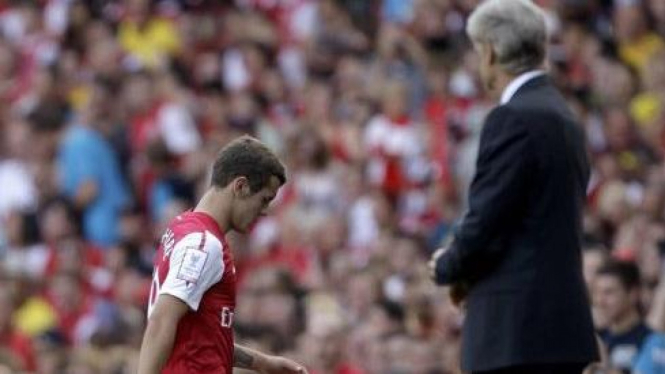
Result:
{"points": [[248, 157], [625, 271]]}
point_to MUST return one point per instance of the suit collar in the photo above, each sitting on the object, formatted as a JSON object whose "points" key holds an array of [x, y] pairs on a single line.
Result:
{"points": [[522, 80]]}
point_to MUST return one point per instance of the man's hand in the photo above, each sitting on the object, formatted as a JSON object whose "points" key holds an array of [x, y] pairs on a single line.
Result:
{"points": [[280, 365], [458, 291], [432, 262], [247, 358]]}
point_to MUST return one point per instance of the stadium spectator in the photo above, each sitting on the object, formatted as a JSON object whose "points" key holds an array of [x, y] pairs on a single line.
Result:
{"points": [[617, 296], [15, 347], [89, 171]]}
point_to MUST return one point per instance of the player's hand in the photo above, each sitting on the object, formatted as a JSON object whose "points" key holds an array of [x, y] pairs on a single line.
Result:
{"points": [[281, 365], [431, 265]]}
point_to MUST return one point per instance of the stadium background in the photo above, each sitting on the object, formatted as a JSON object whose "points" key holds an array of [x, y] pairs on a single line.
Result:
{"points": [[111, 112]]}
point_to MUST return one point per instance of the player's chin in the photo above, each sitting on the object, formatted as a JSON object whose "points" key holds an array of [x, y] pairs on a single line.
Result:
{"points": [[245, 228], [241, 229], [251, 225]]}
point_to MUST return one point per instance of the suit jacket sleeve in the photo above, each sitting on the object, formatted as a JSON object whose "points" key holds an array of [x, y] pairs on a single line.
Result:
{"points": [[495, 197]]}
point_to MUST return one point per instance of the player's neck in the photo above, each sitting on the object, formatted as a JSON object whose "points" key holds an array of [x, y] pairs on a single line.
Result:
{"points": [[212, 203]]}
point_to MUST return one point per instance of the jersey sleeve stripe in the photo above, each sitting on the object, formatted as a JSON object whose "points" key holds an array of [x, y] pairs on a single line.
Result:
{"points": [[203, 241]]}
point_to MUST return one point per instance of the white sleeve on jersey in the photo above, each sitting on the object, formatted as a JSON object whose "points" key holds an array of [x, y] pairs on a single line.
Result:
{"points": [[196, 265]]}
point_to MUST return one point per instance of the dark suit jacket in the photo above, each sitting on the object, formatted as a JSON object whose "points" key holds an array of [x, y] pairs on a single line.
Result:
{"points": [[518, 245]]}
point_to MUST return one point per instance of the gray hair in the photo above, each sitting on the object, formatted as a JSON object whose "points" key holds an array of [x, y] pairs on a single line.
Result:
{"points": [[515, 29]]}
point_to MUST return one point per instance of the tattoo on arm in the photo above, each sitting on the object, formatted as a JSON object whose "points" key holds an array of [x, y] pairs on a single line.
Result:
{"points": [[242, 358]]}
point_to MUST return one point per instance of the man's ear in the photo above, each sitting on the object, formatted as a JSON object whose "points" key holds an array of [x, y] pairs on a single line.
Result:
{"points": [[241, 187], [490, 54]]}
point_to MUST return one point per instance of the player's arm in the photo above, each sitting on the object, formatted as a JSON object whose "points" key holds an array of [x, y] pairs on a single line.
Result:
{"points": [[246, 358], [160, 333]]}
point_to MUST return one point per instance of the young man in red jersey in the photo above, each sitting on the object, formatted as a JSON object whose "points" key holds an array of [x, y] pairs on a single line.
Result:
{"points": [[192, 299]]}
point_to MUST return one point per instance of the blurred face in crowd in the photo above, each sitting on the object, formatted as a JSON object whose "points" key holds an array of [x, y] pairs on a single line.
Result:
{"points": [[13, 227], [423, 358], [613, 205], [404, 255], [657, 10], [650, 267], [6, 307], [7, 60], [66, 291], [331, 351], [362, 293], [592, 260], [349, 74], [629, 21], [613, 300], [618, 129], [125, 288], [319, 99], [654, 73], [138, 93], [652, 201], [438, 82], [16, 137], [331, 236], [99, 106], [50, 355], [103, 57], [573, 39], [31, 17], [242, 112], [44, 83], [277, 310], [614, 83], [394, 100], [139, 10], [273, 86], [56, 223]]}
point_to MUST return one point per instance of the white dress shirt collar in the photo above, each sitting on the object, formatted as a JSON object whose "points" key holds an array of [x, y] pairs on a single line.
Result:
{"points": [[518, 82]]}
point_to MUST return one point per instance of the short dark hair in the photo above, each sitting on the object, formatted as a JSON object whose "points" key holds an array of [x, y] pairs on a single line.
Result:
{"points": [[248, 157], [626, 272]]}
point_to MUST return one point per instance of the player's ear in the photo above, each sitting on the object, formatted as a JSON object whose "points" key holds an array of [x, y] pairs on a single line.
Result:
{"points": [[241, 187]]}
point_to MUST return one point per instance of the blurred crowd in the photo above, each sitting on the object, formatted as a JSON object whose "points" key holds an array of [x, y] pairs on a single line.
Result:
{"points": [[112, 111]]}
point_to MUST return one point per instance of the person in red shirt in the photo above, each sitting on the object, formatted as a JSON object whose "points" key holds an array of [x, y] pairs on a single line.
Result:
{"points": [[193, 293]]}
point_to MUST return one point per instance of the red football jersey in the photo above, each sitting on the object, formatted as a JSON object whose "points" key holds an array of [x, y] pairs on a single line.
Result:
{"points": [[194, 264]]}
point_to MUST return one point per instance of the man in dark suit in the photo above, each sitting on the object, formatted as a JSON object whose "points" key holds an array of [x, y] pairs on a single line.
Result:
{"points": [[517, 248]]}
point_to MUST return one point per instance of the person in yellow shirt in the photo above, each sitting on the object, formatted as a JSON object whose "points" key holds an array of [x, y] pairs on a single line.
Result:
{"points": [[636, 42], [648, 107], [148, 39]]}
